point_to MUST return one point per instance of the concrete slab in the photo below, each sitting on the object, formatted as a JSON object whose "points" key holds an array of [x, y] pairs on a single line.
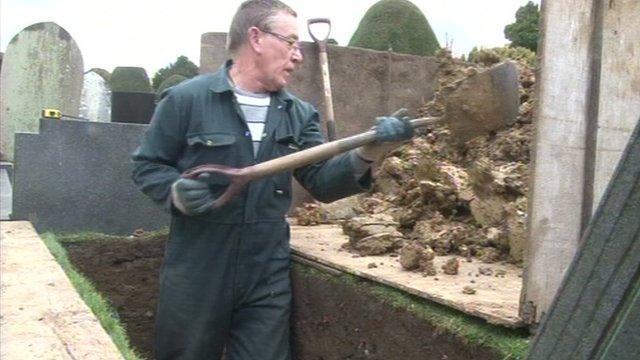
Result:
{"points": [[41, 315], [496, 299], [6, 194]]}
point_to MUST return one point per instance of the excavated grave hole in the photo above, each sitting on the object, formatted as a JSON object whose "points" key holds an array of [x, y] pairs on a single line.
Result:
{"points": [[332, 318]]}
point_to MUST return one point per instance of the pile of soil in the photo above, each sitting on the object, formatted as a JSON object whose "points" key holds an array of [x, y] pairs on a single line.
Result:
{"points": [[438, 195]]}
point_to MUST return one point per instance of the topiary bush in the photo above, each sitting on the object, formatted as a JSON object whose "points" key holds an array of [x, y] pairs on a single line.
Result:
{"points": [[130, 79], [396, 25], [172, 80], [495, 55]]}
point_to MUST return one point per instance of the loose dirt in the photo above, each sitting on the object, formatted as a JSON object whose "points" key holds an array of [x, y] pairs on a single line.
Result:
{"points": [[440, 194]]}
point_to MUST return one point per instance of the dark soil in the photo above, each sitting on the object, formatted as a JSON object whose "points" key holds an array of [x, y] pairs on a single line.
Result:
{"points": [[331, 319], [337, 320], [125, 272]]}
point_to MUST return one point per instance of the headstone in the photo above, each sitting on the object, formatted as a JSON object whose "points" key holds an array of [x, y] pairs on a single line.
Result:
{"points": [[132, 107], [95, 104], [5, 194], [132, 98], [42, 68], [76, 176]]}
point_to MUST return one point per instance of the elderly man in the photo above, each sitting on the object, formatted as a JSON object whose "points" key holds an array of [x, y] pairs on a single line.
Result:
{"points": [[225, 279]]}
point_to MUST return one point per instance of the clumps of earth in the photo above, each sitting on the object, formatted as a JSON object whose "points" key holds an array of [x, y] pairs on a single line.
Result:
{"points": [[435, 196]]}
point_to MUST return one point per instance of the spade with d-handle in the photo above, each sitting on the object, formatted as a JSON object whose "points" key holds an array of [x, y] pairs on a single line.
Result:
{"points": [[317, 24]]}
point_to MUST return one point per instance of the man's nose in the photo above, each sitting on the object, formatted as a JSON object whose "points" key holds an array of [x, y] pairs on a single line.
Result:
{"points": [[297, 56]]}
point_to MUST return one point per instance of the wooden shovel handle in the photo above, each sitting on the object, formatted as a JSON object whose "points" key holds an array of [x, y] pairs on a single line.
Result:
{"points": [[238, 178]]}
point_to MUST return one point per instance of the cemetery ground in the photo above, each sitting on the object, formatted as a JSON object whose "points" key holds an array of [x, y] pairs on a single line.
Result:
{"points": [[336, 315]]}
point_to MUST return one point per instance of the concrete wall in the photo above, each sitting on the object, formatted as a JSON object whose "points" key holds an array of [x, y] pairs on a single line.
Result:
{"points": [[589, 100], [364, 83], [76, 176], [619, 103]]}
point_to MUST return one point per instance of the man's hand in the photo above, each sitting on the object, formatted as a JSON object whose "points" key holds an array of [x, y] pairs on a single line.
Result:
{"points": [[390, 133], [191, 197]]}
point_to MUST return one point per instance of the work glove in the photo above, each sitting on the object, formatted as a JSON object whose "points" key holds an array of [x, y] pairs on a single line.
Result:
{"points": [[391, 132], [191, 196]]}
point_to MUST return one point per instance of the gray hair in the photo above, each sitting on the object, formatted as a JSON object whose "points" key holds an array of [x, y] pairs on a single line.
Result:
{"points": [[258, 13]]}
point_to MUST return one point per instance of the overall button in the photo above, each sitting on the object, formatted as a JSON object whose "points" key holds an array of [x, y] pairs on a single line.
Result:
{"points": [[279, 192]]}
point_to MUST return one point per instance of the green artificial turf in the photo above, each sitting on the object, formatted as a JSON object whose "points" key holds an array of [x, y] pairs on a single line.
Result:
{"points": [[105, 313]]}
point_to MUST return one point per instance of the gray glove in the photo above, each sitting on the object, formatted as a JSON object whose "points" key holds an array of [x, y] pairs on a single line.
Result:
{"points": [[191, 197], [391, 132]]}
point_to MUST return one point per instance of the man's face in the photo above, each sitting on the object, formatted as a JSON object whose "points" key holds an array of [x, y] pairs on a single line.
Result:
{"points": [[281, 54]]}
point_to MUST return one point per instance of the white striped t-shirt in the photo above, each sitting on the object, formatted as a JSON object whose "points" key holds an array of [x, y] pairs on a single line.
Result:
{"points": [[254, 106]]}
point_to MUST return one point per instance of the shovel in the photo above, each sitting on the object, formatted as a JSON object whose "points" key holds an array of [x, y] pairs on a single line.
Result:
{"points": [[498, 86], [238, 178], [324, 65]]}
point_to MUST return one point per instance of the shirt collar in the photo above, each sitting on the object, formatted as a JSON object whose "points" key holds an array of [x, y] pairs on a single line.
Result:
{"points": [[221, 83]]}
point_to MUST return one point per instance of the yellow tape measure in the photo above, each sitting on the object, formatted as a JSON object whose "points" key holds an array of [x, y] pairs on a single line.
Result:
{"points": [[51, 114]]}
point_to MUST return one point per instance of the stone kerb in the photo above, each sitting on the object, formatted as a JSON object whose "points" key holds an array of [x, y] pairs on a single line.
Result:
{"points": [[76, 176], [364, 83], [41, 314], [42, 68]]}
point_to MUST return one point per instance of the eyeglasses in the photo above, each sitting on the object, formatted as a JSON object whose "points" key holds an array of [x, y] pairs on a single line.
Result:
{"points": [[293, 44]]}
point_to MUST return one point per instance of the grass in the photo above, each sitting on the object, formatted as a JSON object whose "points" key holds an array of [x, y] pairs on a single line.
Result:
{"points": [[105, 313], [508, 343]]}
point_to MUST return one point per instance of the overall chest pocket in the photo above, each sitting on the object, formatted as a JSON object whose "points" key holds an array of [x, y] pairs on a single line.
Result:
{"points": [[212, 148]]}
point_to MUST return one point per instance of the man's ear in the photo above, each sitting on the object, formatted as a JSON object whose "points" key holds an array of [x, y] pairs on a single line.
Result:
{"points": [[255, 39]]}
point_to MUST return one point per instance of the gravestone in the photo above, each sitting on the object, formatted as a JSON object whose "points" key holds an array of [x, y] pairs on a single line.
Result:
{"points": [[132, 98], [42, 68], [76, 176], [95, 104]]}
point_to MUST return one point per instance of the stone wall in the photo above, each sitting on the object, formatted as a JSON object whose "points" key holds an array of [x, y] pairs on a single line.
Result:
{"points": [[364, 83], [76, 176]]}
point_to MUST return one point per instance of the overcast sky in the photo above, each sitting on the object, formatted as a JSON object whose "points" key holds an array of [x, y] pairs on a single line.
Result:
{"points": [[152, 34]]}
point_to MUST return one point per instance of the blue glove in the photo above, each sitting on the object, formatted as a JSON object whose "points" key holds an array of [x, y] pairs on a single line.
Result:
{"points": [[390, 128], [191, 197], [390, 133]]}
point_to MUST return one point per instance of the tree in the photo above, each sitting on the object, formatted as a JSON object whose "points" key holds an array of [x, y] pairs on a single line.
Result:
{"points": [[183, 66], [524, 32], [396, 25]]}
